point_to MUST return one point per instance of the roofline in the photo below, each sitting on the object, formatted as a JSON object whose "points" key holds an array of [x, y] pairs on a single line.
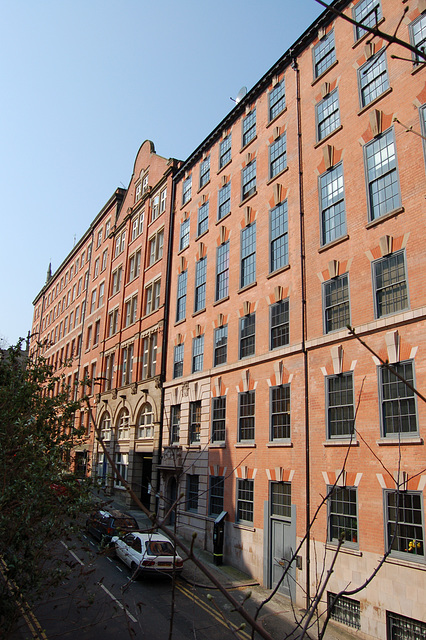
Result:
{"points": [[118, 194], [301, 43]]}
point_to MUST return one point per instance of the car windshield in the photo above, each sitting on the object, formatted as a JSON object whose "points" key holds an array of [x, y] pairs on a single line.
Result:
{"points": [[159, 548], [125, 523]]}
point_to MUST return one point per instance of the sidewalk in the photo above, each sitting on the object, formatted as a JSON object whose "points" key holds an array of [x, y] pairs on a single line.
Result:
{"points": [[277, 617]]}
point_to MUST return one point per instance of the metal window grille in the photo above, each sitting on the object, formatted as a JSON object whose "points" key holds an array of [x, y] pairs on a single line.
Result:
{"points": [[345, 610]]}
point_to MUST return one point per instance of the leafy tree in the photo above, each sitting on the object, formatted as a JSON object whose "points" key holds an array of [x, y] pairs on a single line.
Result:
{"points": [[38, 503]]}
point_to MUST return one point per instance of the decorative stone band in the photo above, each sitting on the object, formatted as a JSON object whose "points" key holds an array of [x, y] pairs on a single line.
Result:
{"points": [[405, 482], [216, 470], [342, 478], [244, 473], [279, 474]]}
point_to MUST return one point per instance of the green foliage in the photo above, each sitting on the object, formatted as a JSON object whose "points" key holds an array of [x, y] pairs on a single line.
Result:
{"points": [[40, 501]]}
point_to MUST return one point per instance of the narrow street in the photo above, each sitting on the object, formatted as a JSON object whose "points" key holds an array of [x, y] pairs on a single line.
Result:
{"points": [[99, 601]]}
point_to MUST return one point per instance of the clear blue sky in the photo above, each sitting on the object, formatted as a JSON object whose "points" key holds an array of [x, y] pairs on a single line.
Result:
{"points": [[84, 83]]}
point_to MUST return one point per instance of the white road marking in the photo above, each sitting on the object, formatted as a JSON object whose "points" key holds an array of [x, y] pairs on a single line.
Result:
{"points": [[132, 618], [72, 553]]}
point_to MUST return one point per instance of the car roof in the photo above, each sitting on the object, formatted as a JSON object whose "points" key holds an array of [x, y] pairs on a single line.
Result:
{"points": [[151, 537], [115, 513]]}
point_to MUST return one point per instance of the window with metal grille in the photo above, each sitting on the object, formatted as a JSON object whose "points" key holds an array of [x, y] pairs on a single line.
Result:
{"points": [[367, 12], [249, 127], [194, 421], [373, 78], [178, 361], [220, 345], [197, 354], [224, 201], [280, 412], [203, 219], [219, 419], [174, 423], [192, 484], [399, 414], [246, 418], [404, 524], [382, 175], [278, 230], [181, 296], [340, 406], [324, 54], [245, 501], [327, 114], [278, 156], [390, 284], [281, 499], [225, 151], [248, 180], [248, 255], [344, 610], [332, 203], [276, 99], [402, 628], [200, 284], [280, 324], [343, 516], [336, 303], [216, 495], [222, 271], [247, 335]]}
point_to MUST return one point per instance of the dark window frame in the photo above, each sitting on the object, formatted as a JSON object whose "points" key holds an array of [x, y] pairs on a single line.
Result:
{"points": [[336, 300], [332, 207], [397, 287], [327, 116], [339, 412], [247, 336], [324, 54], [247, 416], [397, 401], [278, 237], [343, 516], [276, 100], [279, 334], [244, 501], [218, 419], [374, 179], [398, 505]]}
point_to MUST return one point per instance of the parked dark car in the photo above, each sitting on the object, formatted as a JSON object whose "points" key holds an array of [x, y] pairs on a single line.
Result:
{"points": [[106, 523]]}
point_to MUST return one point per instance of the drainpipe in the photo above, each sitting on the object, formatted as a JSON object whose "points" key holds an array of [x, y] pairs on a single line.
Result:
{"points": [[165, 333], [295, 66]]}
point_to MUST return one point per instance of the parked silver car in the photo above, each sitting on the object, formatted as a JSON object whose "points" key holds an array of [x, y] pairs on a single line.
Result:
{"points": [[147, 552]]}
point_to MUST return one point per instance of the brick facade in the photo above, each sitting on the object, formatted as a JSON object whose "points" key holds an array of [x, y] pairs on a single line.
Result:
{"points": [[301, 213]]}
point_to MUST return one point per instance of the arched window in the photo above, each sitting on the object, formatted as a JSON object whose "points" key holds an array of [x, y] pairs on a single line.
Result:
{"points": [[106, 426], [123, 424], [146, 422]]}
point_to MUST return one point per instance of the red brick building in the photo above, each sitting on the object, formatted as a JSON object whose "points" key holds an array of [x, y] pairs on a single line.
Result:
{"points": [[301, 213], [104, 308]]}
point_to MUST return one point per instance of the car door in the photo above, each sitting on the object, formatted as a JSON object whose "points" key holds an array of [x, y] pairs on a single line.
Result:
{"points": [[123, 548]]}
